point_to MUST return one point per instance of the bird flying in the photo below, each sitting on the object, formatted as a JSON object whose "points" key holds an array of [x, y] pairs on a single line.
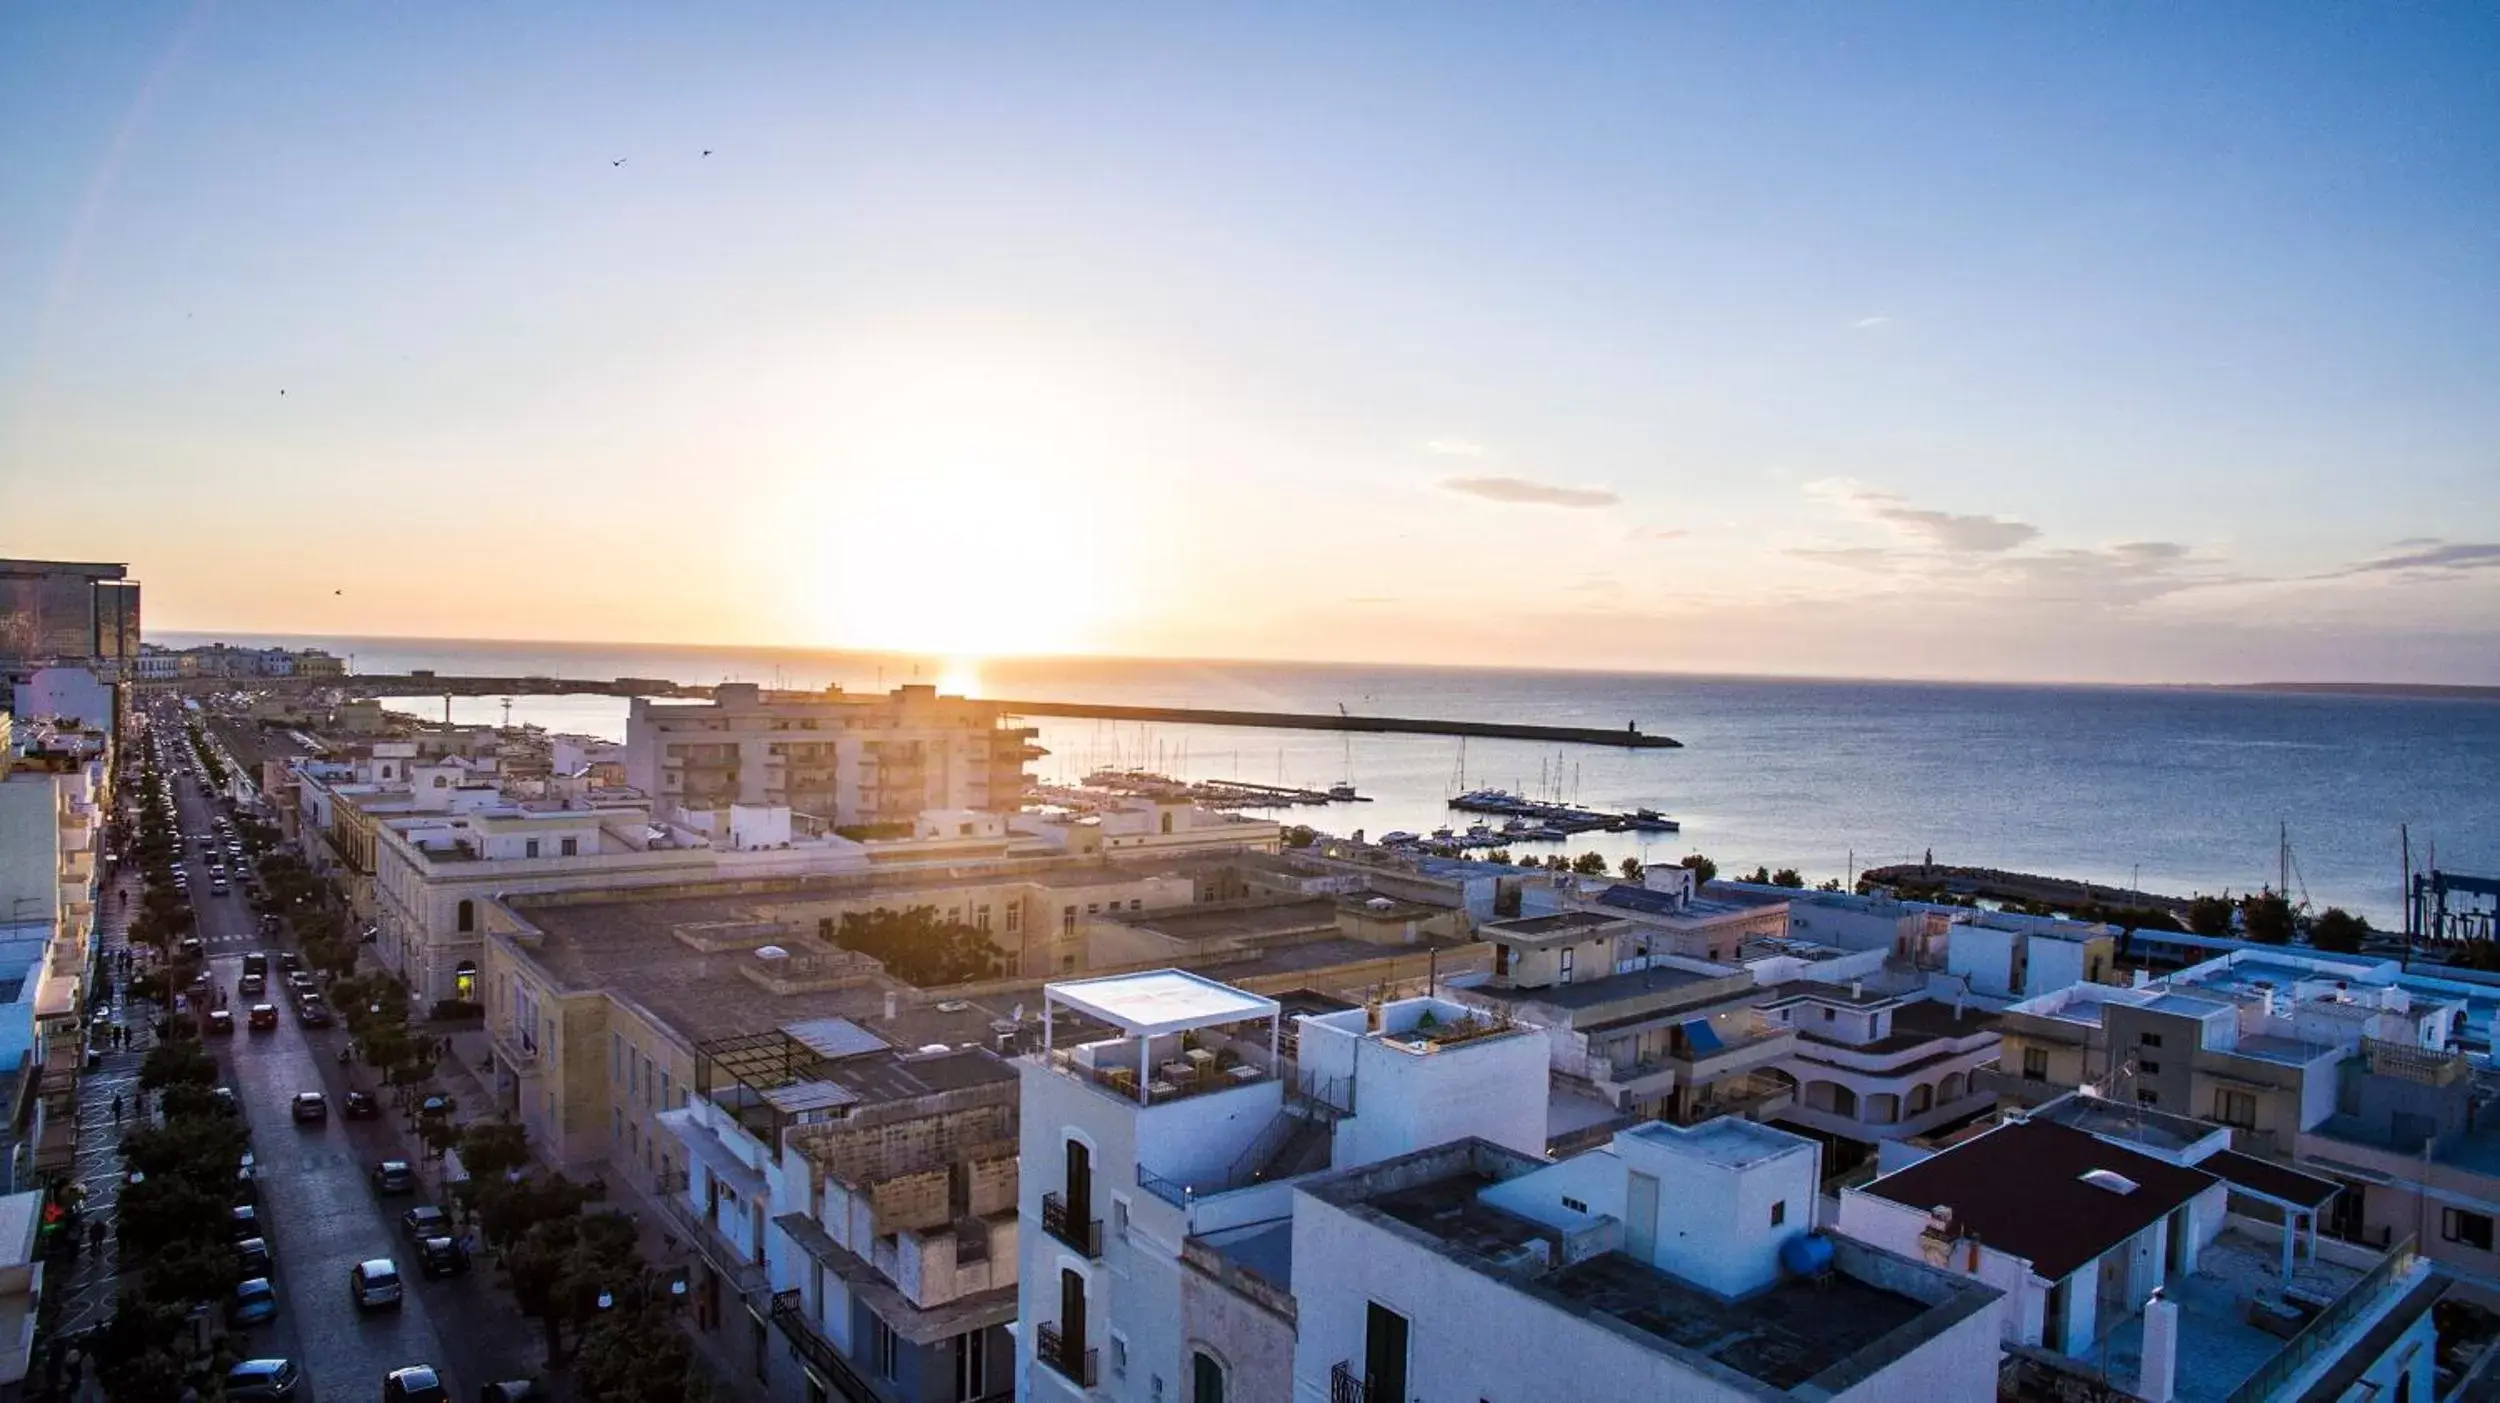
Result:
{"points": [[620, 160]]}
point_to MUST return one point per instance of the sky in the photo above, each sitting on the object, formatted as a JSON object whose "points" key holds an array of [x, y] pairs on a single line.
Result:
{"points": [[2071, 342]]}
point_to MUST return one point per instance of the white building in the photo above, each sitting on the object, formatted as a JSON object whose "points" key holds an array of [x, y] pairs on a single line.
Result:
{"points": [[2129, 1250], [843, 760], [73, 695], [1164, 1150], [1873, 1065], [1672, 1263]]}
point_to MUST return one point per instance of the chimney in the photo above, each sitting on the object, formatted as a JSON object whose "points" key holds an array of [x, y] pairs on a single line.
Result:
{"points": [[1857, 989], [2158, 1379], [889, 1005]]}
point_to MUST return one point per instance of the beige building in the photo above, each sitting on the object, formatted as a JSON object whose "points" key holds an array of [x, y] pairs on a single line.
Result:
{"points": [[841, 759]]}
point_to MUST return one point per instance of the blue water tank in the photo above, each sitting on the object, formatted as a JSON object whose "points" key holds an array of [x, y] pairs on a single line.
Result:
{"points": [[1807, 1254]]}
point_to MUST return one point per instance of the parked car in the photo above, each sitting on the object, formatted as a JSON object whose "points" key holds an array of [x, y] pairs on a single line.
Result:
{"points": [[360, 1105], [220, 1022], [252, 1255], [310, 1107], [246, 1185], [510, 1391], [424, 1221], [252, 986], [264, 1017], [269, 926], [311, 1012], [394, 1176], [442, 1256], [192, 944], [374, 1283], [417, 1383], [288, 961], [263, 1381], [255, 1302], [243, 1222]]}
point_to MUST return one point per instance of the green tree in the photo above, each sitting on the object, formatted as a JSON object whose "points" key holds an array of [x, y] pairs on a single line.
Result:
{"points": [[139, 1356], [2267, 917], [173, 1064], [636, 1357], [1788, 877], [1301, 835], [2338, 931], [1704, 870], [492, 1149], [2210, 915], [2476, 954], [1590, 864], [1631, 869], [918, 947]]}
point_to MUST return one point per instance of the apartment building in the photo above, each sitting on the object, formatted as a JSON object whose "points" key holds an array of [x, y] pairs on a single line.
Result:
{"points": [[54, 611], [2251, 1040], [1873, 1065], [55, 798], [1651, 1035], [845, 760], [1670, 915], [2141, 1257], [860, 1200], [1675, 1262], [1168, 1118], [2414, 1145]]}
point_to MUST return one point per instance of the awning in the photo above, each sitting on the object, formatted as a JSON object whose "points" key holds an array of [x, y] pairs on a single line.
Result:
{"points": [[717, 1158], [1702, 1038]]}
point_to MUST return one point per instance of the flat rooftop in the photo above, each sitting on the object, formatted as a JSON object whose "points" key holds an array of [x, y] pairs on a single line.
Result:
{"points": [[1782, 1337], [1614, 988], [1556, 928], [1160, 1001], [1729, 1141], [2218, 1348], [1246, 920]]}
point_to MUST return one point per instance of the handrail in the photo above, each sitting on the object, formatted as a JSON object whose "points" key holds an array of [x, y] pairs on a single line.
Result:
{"points": [[1071, 1226], [1051, 1348], [2321, 1330], [789, 1312]]}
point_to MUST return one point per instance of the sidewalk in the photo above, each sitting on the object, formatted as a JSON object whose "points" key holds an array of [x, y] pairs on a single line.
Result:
{"points": [[86, 1289]]}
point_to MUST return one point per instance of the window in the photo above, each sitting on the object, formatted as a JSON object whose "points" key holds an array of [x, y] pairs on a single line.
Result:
{"points": [[466, 917], [1015, 916], [529, 848], [1779, 1213], [972, 1366], [571, 847], [616, 1058], [1093, 908], [664, 1088], [2472, 1229], [981, 918], [1067, 920], [2035, 1064], [1137, 904], [649, 1085], [633, 1075], [1575, 1205], [1206, 1373], [1829, 1015], [2146, 1096], [1167, 827], [2146, 1067], [881, 1351], [1119, 1355], [2148, 1040], [2236, 1108], [1567, 953]]}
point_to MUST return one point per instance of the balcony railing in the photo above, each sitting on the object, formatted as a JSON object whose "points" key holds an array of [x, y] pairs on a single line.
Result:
{"points": [[1347, 1386], [1071, 1226], [746, 1276], [521, 1058], [2322, 1329], [1075, 1365], [790, 1313]]}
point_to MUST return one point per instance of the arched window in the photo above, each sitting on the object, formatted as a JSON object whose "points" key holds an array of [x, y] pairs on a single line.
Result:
{"points": [[1206, 1378], [468, 915]]}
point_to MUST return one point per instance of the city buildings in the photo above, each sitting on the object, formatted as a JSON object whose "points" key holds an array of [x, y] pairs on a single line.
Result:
{"points": [[2136, 1251], [55, 798], [846, 761], [153, 663], [68, 613], [1674, 1262], [862, 1200], [1873, 1066]]}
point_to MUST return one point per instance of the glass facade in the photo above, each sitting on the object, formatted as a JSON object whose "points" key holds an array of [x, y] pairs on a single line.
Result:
{"points": [[72, 613]]}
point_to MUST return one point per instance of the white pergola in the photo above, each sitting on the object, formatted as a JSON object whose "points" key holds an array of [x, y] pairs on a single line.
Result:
{"points": [[1156, 1003]]}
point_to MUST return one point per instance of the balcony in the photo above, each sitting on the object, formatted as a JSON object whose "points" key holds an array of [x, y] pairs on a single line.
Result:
{"points": [[1347, 1386], [521, 1057], [745, 1276], [789, 1312], [1071, 1226], [1073, 1364]]}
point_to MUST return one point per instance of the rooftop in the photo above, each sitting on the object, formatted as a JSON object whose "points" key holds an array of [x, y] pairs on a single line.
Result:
{"points": [[1240, 920], [1160, 1001], [1839, 1328], [2021, 1189], [1562, 927], [1614, 988], [1729, 1141], [2219, 1347]]}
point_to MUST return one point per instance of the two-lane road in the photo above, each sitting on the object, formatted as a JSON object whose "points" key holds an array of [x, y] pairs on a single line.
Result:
{"points": [[318, 1210]]}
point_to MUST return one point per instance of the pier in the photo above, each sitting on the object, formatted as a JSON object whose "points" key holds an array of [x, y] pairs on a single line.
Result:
{"points": [[429, 684]]}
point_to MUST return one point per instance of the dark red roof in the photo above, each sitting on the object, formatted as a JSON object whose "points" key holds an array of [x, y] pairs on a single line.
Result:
{"points": [[2020, 1190], [2272, 1180]]}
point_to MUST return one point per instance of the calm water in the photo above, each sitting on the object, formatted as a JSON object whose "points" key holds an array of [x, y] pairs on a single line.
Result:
{"points": [[2084, 782]]}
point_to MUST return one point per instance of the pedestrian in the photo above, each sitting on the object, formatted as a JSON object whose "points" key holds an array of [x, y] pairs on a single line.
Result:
{"points": [[95, 1234], [117, 1110]]}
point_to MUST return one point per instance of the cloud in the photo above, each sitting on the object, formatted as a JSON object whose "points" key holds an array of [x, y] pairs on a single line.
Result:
{"points": [[1454, 448], [2430, 554], [1878, 559], [1521, 490], [1658, 533], [1948, 531], [1866, 323]]}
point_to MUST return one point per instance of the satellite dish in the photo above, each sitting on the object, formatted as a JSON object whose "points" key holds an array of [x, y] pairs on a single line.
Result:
{"points": [[771, 952]]}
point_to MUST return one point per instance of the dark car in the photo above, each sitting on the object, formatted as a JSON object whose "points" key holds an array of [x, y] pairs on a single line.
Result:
{"points": [[246, 1185], [269, 926], [191, 945], [418, 1383], [256, 962], [264, 1017], [312, 1012], [424, 1221], [442, 1256], [252, 1255], [300, 983], [360, 1105], [227, 1101], [252, 985], [288, 961], [263, 1381], [243, 1222], [310, 1107], [394, 1176], [255, 1302], [374, 1283], [220, 1022]]}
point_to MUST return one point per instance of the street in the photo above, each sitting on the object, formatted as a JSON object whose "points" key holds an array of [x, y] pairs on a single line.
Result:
{"points": [[318, 1209]]}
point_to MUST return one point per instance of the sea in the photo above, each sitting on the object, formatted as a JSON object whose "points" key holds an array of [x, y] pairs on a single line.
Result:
{"points": [[2168, 790]]}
